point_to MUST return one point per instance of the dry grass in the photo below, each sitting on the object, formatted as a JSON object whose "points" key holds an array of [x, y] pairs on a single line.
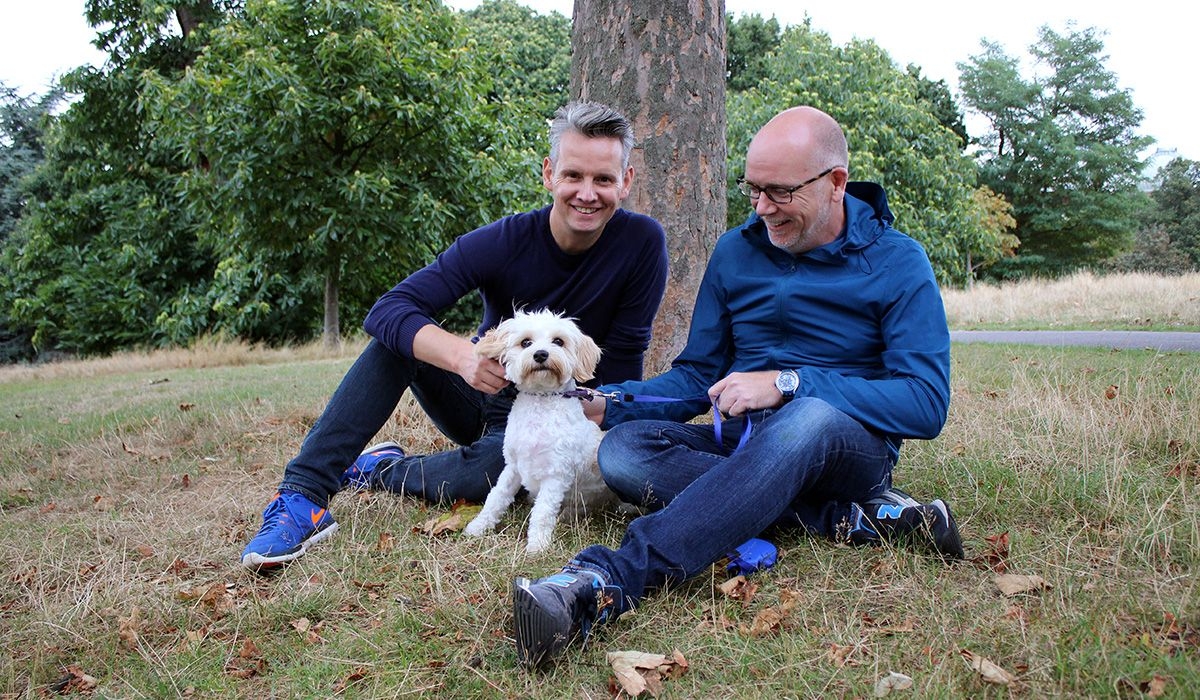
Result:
{"points": [[126, 495], [1081, 301]]}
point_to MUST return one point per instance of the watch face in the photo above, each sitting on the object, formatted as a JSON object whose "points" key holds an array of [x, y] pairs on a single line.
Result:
{"points": [[787, 381]]}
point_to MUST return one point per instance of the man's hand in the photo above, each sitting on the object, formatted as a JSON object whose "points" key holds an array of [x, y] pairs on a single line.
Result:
{"points": [[483, 373], [746, 391], [595, 407], [454, 354]]}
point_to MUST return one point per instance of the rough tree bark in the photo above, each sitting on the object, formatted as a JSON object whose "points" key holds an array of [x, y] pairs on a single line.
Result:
{"points": [[663, 64]]}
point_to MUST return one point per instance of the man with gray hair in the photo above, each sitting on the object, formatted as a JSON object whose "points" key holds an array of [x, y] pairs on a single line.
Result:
{"points": [[819, 333], [582, 256]]}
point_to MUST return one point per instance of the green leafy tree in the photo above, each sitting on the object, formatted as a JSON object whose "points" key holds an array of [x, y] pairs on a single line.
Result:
{"points": [[22, 126], [102, 244], [348, 134], [749, 40], [940, 103], [1062, 149], [894, 140], [1176, 208]]}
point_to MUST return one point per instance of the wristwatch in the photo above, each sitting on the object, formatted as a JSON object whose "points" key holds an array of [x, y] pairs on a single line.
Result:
{"points": [[787, 383]]}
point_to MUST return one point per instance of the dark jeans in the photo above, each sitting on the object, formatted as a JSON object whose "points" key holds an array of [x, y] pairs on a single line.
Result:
{"points": [[803, 465], [363, 403]]}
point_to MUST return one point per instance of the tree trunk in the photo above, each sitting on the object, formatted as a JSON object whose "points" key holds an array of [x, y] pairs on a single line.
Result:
{"points": [[663, 64], [332, 334]]}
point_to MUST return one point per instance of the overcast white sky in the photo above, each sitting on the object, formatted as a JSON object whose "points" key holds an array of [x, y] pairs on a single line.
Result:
{"points": [[1149, 44]]}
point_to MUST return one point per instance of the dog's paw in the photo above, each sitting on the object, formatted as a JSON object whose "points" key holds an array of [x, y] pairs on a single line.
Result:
{"points": [[537, 544], [476, 528]]}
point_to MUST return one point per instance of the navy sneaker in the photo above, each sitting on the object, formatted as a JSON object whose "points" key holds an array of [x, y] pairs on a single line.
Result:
{"points": [[291, 523], [358, 475], [551, 612], [931, 525]]}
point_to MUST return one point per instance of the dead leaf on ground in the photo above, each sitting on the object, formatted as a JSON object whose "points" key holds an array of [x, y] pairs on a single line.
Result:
{"points": [[74, 680], [1015, 584], [248, 663], [771, 620], [739, 588], [996, 556], [638, 672], [1156, 687], [454, 521], [842, 655], [890, 682], [386, 543], [988, 671], [128, 628], [186, 406]]}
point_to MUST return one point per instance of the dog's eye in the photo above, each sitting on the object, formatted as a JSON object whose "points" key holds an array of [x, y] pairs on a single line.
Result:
{"points": [[558, 341], [526, 342]]}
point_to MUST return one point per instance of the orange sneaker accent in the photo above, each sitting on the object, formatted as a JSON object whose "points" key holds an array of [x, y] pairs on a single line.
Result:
{"points": [[316, 515]]}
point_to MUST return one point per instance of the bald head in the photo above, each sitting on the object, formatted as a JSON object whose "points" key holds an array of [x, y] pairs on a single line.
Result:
{"points": [[810, 137], [796, 178]]}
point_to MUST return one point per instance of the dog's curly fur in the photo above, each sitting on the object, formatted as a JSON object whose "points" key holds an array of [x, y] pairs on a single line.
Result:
{"points": [[549, 445]]}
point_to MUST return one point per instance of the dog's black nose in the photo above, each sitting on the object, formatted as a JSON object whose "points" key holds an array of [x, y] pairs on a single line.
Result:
{"points": [[540, 356]]}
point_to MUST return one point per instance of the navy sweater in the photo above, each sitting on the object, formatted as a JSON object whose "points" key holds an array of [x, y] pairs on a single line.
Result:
{"points": [[612, 290]]}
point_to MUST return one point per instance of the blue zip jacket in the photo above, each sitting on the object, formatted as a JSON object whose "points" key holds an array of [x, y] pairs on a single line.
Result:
{"points": [[860, 319]]}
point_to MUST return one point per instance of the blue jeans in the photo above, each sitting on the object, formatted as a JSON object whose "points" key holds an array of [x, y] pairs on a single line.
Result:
{"points": [[363, 403], [803, 465]]}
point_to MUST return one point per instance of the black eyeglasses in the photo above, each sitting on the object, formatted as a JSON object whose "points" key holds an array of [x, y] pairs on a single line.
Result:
{"points": [[778, 195]]}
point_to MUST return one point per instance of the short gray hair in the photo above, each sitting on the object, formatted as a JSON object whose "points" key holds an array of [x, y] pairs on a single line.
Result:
{"points": [[593, 120]]}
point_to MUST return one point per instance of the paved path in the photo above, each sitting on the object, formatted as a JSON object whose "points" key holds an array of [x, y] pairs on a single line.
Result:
{"points": [[1135, 340]]}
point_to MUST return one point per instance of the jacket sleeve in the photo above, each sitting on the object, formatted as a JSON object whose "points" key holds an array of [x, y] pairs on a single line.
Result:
{"points": [[703, 360], [912, 397]]}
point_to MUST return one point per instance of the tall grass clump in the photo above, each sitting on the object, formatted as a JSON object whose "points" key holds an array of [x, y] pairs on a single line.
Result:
{"points": [[1082, 301]]}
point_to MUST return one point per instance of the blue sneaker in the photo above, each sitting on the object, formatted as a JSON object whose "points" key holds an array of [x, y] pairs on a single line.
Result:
{"points": [[291, 523], [551, 612], [358, 475]]}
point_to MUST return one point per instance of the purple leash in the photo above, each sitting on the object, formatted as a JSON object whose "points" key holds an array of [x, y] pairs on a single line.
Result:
{"points": [[621, 397]]}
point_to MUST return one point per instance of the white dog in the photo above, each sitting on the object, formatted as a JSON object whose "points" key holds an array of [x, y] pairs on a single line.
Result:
{"points": [[549, 445]]}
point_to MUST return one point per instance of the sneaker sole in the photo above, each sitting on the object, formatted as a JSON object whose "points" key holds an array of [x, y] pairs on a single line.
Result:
{"points": [[258, 562], [538, 637], [386, 444]]}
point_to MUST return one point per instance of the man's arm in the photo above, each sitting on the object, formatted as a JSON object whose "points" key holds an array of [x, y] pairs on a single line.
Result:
{"points": [[442, 349]]}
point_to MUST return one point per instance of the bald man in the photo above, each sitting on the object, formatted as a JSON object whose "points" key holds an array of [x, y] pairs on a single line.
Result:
{"points": [[820, 337]]}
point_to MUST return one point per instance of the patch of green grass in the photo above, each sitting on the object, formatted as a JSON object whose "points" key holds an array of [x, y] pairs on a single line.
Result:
{"points": [[117, 565]]}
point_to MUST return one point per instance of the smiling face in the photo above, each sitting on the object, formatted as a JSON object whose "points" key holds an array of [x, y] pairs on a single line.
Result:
{"points": [[588, 184], [541, 351], [793, 147]]}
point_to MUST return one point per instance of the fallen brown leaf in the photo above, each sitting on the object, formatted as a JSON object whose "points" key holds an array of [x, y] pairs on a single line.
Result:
{"points": [[739, 588], [454, 521], [1015, 584], [890, 682], [128, 628], [639, 672], [988, 671]]}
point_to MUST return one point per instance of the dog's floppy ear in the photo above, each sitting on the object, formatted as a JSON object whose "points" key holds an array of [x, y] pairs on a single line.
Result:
{"points": [[588, 355], [493, 343]]}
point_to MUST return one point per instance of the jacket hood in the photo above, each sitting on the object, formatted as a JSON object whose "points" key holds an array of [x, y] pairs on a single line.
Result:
{"points": [[867, 218]]}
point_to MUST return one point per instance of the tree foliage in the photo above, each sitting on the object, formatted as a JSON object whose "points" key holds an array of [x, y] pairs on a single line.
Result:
{"points": [[940, 103], [749, 41], [22, 126], [1062, 148], [101, 242], [347, 134], [894, 140], [1177, 206]]}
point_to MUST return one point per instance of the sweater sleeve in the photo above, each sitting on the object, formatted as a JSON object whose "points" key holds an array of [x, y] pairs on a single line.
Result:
{"points": [[415, 302], [629, 334]]}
